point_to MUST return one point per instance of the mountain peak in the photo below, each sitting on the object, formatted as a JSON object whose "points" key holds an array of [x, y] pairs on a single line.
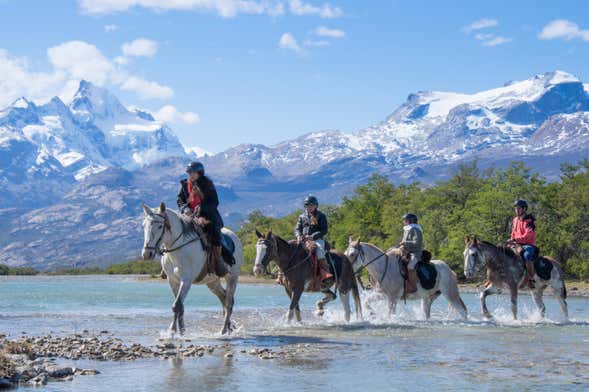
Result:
{"points": [[556, 77], [22, 103], [92, 100]]}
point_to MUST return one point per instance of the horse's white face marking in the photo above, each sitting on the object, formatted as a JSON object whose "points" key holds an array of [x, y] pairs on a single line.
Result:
{"points": [[472, 261], [353, 253], [153, 228], [261, 250]]}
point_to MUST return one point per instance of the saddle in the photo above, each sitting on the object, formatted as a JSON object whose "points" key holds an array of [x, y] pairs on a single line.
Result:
{"points": [[227, 244], [426, 272], [543, 265]]}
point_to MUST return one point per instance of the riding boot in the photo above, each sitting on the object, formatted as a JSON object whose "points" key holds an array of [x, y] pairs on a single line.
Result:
{"points": [[324, 270], [530, 274], [411, 284], [220, 266]]}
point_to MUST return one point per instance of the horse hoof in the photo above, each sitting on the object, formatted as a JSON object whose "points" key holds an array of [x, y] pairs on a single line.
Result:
{"points": [[320, 313]]}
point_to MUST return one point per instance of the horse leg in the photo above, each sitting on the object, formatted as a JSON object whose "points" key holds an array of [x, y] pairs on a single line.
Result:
{"points": [[229, 302], [452, 295], [513, 299], [345, 300], [560, 293], [491, 289], [178, 305], [537, 297], [426, 304], [217, 289], [175, 286], [329, 296], [357, 302], [294, 302]]}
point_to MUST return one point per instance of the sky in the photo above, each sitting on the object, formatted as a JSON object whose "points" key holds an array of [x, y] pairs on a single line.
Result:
{"points": [[226, 72]]}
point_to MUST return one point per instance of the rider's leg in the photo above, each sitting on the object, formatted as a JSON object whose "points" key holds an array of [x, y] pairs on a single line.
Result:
{"points": [[323, 266], [411, 285], [219, 265]]}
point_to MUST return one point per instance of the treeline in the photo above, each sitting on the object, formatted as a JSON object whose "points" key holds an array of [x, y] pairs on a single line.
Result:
{"points": [[135, 267], [472, 202]]}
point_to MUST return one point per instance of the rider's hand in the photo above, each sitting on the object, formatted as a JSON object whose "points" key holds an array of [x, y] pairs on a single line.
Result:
{"points": [[299, 239], [203, 221]]}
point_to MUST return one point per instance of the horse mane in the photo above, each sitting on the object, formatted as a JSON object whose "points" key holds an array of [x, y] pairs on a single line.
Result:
{"points": [[187, 225], [505, 249]]}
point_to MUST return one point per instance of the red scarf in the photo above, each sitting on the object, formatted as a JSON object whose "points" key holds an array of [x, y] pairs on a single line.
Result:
{"points": [[193, 198]]}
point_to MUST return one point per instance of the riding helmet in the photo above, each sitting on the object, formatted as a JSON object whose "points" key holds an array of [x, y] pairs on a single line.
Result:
{"points": [[412, 218], [194, 167], [521, 203], [311, 201]]}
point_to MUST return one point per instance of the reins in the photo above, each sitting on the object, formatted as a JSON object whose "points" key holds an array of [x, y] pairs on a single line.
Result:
{"points": [[364, 265], [160, 250]]}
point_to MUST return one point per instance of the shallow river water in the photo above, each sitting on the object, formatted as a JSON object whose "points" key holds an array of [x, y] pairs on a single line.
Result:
{"points": [[381, 352]]}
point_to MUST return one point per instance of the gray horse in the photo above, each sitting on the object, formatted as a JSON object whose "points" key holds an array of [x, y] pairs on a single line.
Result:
{"points": [[505, 269]]}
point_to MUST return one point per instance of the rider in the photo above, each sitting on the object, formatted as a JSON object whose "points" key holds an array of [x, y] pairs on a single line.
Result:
{"points": [[412, 242], [198, 199], [312, 226], [523, 233]]}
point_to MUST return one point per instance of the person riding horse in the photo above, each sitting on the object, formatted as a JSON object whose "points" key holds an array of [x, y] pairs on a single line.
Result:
{"points": [[523, 234], [412, 242], [198, 200], [312, 226]]}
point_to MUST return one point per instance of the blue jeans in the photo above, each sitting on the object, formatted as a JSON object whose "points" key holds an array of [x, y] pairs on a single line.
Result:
{"points": [[529, 253]]}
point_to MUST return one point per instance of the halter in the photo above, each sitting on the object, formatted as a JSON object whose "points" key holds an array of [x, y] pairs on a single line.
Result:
{"points": [[364, 265], [161, 251]]}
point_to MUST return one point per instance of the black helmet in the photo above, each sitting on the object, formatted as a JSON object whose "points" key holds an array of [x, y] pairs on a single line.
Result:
{"points": [[195, 167], [311, 200], [521, 203], [412, 218]]}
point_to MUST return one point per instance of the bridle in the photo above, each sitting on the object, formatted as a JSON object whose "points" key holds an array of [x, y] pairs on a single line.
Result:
{"points": [[363, 265], [274, 246], [478, 261], [160, 250]]}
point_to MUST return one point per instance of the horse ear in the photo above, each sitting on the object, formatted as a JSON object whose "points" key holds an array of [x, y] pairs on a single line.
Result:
{"points": [[258, 234], [146, 209], [466, 239], [269, 233], [162, 207]]}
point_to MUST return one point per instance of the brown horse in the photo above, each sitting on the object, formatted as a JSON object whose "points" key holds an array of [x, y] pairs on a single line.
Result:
{"points": [[295, 263], [505, 269]]}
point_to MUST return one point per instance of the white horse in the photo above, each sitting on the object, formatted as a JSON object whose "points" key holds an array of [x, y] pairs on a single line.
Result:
{"points": [[385, 270], [185, 261]]}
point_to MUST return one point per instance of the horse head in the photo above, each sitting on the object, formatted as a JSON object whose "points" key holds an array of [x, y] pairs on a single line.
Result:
{"points": [[353, 252], [266, 250], [473, 256], [155, 224]]}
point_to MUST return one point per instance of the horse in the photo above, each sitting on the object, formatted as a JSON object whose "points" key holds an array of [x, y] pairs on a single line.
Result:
{"points": [[295, 263], [184, 260], [506, 269], [385, 270]]}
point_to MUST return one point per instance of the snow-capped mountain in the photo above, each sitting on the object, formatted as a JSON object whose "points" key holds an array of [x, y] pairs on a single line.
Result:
{"points": [[89, 163]]}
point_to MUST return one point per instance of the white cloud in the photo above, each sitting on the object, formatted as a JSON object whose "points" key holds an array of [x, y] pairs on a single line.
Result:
{"points": [[141, 47], [147, 89], [70, 62], [563, 29], [316, 43], [480, 24], [224, 8], [81, 61], [327, 11], [323, 31], [497, 41], [170, 114], [288, 41], [110, 28]]}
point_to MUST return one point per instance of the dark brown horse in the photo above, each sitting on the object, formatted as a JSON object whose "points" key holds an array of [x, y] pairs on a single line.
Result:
{"points": [[295, 263], [505, 269]]}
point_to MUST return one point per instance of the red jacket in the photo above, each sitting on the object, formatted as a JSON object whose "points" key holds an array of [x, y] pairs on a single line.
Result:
{"points": [[524, 230]]}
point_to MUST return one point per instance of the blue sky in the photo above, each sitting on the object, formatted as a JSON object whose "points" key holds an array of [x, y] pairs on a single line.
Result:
{"points": [[261, 71]]}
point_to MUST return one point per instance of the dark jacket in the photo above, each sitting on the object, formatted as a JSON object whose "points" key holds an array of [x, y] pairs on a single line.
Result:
{"points": [[208, 204], [317, 230]]}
